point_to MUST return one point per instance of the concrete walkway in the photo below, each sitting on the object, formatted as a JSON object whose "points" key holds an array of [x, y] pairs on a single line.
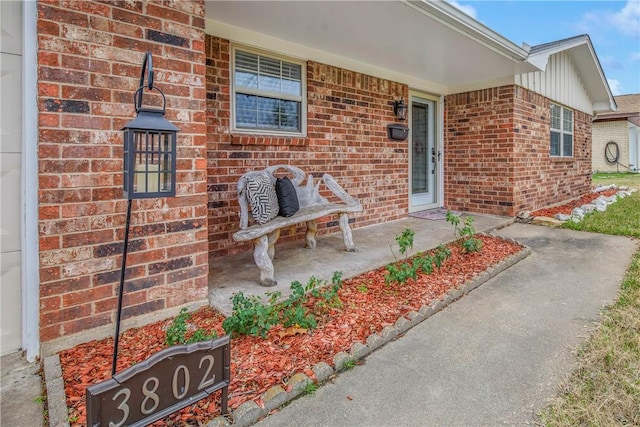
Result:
{"points": [[493, 357], [20, 388]]}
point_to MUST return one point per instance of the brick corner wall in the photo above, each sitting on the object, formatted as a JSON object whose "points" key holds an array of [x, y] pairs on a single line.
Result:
{"points": [[89, 60], [542, 180], [479, 151], [497, 153]]}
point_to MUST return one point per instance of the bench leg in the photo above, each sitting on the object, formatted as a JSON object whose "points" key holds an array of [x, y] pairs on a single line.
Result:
{"points": [[310, 236], [273, 238], [263, 261], [349, 246]]}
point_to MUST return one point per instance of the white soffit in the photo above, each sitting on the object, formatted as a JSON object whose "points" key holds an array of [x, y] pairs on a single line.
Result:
{"points": [[426, 43]]}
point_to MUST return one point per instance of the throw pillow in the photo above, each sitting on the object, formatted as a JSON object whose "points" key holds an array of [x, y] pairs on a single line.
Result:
{"points": [[287, 197], [262, 197]]}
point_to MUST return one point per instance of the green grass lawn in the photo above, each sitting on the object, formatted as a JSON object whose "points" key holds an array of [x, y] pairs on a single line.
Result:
{"points": [[604, 390], [629, 179], [621, 218]]}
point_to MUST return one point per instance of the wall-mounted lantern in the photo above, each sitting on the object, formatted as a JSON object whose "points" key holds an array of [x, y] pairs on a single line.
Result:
{"points": [[400, 109], [149, 147]]}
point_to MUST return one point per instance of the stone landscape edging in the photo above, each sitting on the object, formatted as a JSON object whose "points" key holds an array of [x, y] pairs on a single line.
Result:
{"points": [[250, 412], [599, 204]]}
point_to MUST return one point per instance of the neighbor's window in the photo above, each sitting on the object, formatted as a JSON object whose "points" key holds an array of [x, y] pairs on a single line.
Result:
{"points": [[561, 131], [268, 93]]}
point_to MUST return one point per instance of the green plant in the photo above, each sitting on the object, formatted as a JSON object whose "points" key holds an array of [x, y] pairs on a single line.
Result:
{"points": [[362, 288], [250, 316], [310, 388], [405, 240], [327, 296], [348, 364], [441, 254], [422, 262], [405, 271], [177, 331], [465, 233], [426, 262], [291, 311], [400, 273]]}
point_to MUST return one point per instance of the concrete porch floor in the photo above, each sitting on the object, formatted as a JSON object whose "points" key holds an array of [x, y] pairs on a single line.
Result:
{"points": [[293, 261]]}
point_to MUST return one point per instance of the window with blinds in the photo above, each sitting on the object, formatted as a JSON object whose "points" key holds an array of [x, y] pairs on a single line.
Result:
{"points": [[561, 131], [268, 93]]}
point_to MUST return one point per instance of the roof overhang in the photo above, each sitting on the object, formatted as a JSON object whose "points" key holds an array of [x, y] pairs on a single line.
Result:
{"points": [[587, 65], [429, 45]]}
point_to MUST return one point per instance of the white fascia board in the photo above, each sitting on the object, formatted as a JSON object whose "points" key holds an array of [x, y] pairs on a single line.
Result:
{"points": [[604, 107], [598, 69], [539, 61], [464, 24], [304, 53]]}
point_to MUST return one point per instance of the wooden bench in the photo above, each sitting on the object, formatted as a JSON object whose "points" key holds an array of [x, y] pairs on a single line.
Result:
{"points": [[313, 206]]}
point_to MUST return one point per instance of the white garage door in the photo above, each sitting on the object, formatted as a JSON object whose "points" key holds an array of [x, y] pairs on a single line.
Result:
{"points": [[10, 177]]}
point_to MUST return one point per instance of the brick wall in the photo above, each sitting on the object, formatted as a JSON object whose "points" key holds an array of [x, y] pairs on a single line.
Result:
{"points": [[605, 131], [497, 153], [347, 114], [542, 180], [90, 55], [479, 151]]}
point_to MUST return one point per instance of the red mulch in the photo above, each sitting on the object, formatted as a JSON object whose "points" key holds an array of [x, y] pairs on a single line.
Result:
{"points": [[568, 207], [258, 364]]}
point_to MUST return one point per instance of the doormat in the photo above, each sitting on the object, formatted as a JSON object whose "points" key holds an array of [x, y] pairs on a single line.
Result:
{"points": [[433, 214]]}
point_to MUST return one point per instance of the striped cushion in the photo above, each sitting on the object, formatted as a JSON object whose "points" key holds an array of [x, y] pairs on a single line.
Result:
{"points": [[261, 193]]}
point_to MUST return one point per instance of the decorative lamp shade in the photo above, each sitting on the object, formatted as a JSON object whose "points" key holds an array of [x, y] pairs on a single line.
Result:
{"points": [[149, 156]]}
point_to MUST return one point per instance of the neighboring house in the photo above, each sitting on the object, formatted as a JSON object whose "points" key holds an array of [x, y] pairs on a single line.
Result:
{"points": [[616, 137], [495, 128]]}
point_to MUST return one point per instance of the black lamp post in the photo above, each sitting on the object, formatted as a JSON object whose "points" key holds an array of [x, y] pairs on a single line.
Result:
{"points": [[149, 165]]}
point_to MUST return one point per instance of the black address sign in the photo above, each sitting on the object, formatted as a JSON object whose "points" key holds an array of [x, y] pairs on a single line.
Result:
{"points": [[161, 385]]}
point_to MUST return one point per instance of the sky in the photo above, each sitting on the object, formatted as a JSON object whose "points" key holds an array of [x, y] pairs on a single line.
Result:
{"points": [[613, 26]]}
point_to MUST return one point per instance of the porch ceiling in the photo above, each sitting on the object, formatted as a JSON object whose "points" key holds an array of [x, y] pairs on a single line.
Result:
{"points": [[429, 42]]}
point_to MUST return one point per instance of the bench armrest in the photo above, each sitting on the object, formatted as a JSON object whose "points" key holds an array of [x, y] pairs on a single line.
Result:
{"points": [[336, 189]]}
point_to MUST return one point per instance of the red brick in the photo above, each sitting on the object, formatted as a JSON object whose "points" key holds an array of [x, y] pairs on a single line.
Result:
{"points": [[80, 154]]}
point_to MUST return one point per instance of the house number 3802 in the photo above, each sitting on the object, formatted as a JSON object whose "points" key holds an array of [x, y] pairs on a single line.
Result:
{"points": [[180, 382], [166, 382]]}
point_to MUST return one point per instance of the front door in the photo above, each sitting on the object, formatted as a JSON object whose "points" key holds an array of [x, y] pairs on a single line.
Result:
{"points": [[424, 154]]}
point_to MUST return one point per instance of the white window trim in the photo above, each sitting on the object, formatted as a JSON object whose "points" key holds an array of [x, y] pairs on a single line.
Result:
{"points": [[303, 106], [563, 132]]}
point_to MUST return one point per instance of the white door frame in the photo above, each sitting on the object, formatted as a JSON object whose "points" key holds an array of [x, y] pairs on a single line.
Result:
{"points": [[30, 245], [438, 118]]}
